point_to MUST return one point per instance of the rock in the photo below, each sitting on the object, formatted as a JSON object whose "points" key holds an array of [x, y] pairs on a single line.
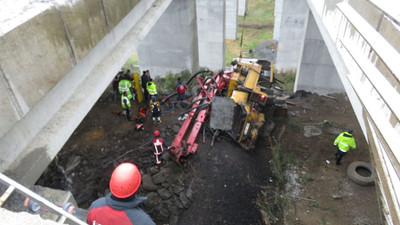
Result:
{"points": [[177, 189], [73, 161], [173, 220], [189, 192], [173, 210], [178, 203], [337, 196], [176, 128], [164, 193], [310, 131], [184, 199], [152, 199], [148, 184], [154, 170], [159, 178], [162, 210], [334, 130]]}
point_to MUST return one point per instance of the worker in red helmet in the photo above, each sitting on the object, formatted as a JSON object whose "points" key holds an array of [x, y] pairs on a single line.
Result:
{"points": [[122, 205], [159, 145]]}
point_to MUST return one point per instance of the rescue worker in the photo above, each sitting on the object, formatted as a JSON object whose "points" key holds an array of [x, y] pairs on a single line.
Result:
{"points": [[155, 109], [141, 118], [115, 84], [125, 86], [159, 145], [126, 105], [151, 88], [180, 89], [122, 205], [344, 142], [145, 78]]}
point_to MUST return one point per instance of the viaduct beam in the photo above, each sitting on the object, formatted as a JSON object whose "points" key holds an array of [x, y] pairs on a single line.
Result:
{"points": [[47, 119], [356, 42]]}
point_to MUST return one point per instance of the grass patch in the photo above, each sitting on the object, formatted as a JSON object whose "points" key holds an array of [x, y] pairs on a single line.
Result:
{"points": [[295, 125], [287, 81], [272, 201], [132, 64], [256, 27]]}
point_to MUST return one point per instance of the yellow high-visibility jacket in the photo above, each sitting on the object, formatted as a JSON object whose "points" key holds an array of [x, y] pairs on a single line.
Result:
{"points": [[345, 141]]}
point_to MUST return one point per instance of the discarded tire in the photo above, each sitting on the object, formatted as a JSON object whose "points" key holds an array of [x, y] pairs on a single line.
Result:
{"points": [[360, 179]]}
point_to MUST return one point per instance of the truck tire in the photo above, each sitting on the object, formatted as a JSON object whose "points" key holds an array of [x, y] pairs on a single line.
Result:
{"points": [[356, 177]]}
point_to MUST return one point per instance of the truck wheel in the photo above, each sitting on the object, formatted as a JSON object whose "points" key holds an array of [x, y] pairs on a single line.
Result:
{"points": [[353, 173]]}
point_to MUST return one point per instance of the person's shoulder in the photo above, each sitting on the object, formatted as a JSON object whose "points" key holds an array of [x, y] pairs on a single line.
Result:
{"points": [[98, 203]]}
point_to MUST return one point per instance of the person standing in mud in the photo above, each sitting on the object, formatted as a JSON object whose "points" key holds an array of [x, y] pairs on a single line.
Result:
{"points": [[144, 79], [115, 84], [344, 142], [159, 145], [122, 205], [155, 109], [126, 105], [180, 89]]}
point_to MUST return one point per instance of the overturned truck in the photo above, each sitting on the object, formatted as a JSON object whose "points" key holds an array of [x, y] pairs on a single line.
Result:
{"points": [[239, 103]]}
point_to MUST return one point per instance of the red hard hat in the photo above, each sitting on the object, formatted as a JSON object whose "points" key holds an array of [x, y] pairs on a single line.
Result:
{"points": [[125, 180], [156, 133]]}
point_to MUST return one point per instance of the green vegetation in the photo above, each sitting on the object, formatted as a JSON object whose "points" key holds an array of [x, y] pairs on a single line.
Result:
{"points": [[256, 27], [295, 125], [168, 83], [288, 80], [132, 64], [272, 200]]}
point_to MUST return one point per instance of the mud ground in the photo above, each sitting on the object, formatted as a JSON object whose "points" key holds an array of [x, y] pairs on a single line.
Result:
{"points": [[227, 181]]}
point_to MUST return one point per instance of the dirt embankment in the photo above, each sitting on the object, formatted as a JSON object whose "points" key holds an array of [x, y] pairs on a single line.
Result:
{"points": [[225, 182]]}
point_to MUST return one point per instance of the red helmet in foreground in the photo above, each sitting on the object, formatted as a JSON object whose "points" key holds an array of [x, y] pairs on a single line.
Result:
{"points": [[125, 180], [156, 133]]}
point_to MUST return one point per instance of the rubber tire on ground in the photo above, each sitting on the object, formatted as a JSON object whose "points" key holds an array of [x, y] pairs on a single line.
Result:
{"points": [[357, 178]]}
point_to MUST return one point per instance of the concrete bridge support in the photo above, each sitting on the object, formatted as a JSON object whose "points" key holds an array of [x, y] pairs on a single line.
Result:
{"points": [[316, 72], [231, 19], [291, 35], [242, 7], [172, 44], [211, 33]]}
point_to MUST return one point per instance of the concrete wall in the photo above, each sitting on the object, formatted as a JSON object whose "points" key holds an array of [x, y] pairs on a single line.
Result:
{"points": [[31, 143], [242, 7], [172, 45], [316, 72], [231, 19], [292, 30], [278, 17], [211, 33]]}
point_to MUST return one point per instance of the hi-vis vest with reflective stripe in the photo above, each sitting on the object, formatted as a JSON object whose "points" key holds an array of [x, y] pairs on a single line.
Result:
{"points": [[345, 141], [151, 88], [124, 85], [127, 101]]}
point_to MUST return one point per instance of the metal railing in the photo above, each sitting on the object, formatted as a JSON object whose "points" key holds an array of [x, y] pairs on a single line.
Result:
{"points": [[12, 186]]}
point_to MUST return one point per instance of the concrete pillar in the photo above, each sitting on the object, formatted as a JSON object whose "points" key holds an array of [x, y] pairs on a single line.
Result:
{"points": [[211, 31], [231, 19], [242, 7], [316, 72], [171, 45], [291, 35], [278, 17]]}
